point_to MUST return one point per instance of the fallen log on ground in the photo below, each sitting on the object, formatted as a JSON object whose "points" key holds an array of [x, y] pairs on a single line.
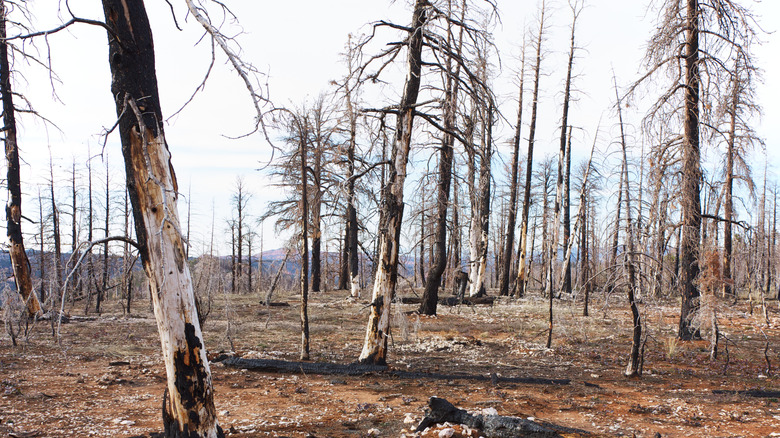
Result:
{"points": [[452, 301], [282, 366], [757, 393], [493, 426]]}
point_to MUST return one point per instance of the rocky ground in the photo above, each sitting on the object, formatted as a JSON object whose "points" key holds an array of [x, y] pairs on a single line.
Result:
{"points": [[105, 377]]}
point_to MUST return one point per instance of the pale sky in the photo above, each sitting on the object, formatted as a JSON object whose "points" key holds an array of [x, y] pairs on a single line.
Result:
{"points": [[298, 44]]}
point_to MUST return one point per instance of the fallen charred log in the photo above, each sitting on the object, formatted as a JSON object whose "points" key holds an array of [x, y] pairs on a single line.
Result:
{"points": [[493, 426], [453, 301], [354, 369], [757, 393]]}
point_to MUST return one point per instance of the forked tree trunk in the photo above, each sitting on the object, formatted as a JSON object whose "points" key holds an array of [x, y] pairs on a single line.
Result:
{"points": [[391, 215], [13, 210], [521, 270], [691, 177], [188, 407]]}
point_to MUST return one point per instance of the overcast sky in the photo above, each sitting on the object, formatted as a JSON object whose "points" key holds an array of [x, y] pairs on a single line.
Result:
{"points": [[298, 44]]}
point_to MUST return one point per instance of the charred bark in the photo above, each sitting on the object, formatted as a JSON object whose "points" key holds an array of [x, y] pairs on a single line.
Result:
{"points": [[391, 215], [189, 409], [691, 179], [13, 210], [520, 282]]}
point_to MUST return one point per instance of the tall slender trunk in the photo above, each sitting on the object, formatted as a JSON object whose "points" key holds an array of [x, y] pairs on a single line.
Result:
{"points": [[691, 179], [567, 215], [584, 256], [564, 163], [521, 271], [188, 405], [634, 367], [509, 243], [304, 251], [55, 220], [344, 254], [13, 210], [104, 279], [351, 233], [391, 214], [482, 222], [421, 258]]}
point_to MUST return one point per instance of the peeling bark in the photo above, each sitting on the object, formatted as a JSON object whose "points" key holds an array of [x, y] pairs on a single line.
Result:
{"points": [[189, 406], [375, 345]]}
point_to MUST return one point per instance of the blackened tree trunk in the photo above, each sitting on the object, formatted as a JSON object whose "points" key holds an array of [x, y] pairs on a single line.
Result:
{"points": [[691, 179], [391, 214], [351, 232], [188, 407], [521, 270], [13, 210], [55, 222], [304, 249], [634, 367], [446, 154], [104, 280], [728, 213], [564, 161]]}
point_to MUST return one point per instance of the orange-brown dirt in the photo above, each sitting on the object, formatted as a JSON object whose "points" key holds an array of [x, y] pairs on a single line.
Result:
{"points": [[106, 378]]}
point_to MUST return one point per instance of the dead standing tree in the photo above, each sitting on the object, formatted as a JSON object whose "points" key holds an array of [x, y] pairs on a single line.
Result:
{"points": [[696, 66], [188, 408], [391, 214], [520, 281], [13, 210]]}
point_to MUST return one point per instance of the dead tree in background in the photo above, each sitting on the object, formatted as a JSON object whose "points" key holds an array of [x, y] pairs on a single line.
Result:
{"points": [[564, 158], [520, 282], [451, 73]]}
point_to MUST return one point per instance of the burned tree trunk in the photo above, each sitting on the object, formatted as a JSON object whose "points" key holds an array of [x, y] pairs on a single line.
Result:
{"points": [[446, 154], [304, 250], [188, 408], [503, 285], [13, 210], [521, 270], [391, 214], [691, 179], [634, 367]]}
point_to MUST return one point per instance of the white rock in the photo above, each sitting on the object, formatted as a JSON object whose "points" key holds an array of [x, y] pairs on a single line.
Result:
{"points": [[489, 411], [127, 422], [373, 432], [446, 433], [409, 419]]}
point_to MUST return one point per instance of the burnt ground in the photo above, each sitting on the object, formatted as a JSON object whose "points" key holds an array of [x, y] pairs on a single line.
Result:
{"points": [[106, 379]]}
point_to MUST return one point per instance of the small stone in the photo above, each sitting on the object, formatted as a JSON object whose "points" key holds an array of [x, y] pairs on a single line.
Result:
{"points": [[489, 411], [224, 413], [446, 433], [127, 423], [409, 419], [373, 432]]}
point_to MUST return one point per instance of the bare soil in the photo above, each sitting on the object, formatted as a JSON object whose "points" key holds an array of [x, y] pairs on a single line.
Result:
{"points": [[106, 379]]}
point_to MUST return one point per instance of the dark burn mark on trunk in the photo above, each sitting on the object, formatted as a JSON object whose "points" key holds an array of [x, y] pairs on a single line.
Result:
{"points": [[191, 380]]}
